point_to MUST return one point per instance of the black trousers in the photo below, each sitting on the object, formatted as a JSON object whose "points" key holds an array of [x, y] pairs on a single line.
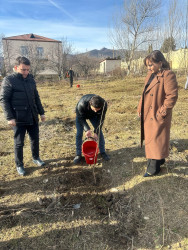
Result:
{"points": [[19, 135], [71, 81]]}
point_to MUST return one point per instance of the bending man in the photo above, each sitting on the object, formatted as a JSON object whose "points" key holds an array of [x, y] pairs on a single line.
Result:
{"points": [[93, 108]]}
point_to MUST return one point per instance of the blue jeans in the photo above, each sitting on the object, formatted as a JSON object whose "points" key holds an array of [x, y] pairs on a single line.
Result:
{"points": [[79, 136]]}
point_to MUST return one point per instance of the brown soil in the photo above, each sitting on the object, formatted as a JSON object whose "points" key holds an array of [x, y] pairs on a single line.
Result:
{"points": [[108, 206]]}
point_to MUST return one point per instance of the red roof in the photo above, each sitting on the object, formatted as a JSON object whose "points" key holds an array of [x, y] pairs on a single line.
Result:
{"points": [[31, 37]]}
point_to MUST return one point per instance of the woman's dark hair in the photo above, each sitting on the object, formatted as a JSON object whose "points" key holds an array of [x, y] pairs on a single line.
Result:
{"points": [[156, 56], [22, 60], [145, 60], [97, 101]]}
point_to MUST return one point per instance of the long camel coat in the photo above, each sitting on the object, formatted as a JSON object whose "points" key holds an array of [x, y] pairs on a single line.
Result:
{"points": [[159, 99]]}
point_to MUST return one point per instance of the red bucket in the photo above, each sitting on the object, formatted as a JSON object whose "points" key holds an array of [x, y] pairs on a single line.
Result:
{"points": [[90, 150]]}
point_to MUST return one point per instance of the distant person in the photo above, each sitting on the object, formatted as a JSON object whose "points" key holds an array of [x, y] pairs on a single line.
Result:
{"points": [[21, 105], [71, 75], [155, 109], [186, 84], [93, 108], [60, 77]]}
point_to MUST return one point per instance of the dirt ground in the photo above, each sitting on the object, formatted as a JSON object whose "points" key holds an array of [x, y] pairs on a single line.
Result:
{"points": [[106, 206]]}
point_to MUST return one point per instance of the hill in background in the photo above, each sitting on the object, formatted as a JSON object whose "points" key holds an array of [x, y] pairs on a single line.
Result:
{"points": [[105, 53]]}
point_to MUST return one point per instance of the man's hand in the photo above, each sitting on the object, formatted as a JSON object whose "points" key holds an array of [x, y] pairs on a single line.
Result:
{"points": [[88, 133], [43, 118], [95, 136], [12, 122]]}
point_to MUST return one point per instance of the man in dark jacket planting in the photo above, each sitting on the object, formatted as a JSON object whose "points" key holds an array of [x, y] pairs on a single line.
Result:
{"points": [[21, 105], [93, 108]]}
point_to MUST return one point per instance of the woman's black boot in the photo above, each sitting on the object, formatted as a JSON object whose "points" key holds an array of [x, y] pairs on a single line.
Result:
{"points": [[162, 161], [153, 167]]}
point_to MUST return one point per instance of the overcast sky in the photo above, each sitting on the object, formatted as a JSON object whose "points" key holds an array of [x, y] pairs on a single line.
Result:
{"points": [[85, 23]]}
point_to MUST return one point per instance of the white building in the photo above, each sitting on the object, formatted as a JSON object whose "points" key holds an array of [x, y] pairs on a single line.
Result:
{"points": [[108, 65], [44, 53]]}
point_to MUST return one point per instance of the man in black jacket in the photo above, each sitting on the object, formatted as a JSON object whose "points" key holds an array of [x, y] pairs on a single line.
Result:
{"points": [[94, 108], [21, 105]]}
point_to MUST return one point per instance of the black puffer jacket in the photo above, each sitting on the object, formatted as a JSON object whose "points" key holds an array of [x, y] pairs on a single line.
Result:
{"points": [[20, 99], [83, 112]]}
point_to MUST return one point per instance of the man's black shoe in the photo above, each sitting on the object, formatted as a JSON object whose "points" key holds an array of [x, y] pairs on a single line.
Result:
{"points": [[105, 156], [39, 162], [77, 159], [21, 170]]}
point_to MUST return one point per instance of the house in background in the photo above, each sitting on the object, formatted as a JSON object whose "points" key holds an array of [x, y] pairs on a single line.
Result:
{"points": [[109, 64], [44, 53]]}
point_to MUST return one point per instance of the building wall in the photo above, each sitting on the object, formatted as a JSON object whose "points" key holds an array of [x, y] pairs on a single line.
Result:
{"points": [[107, 66], [102, 68], [12, 49], [137, 65], [178, 61]]}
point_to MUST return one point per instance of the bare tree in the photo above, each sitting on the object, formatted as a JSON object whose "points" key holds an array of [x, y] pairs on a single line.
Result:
{"points": [[8, 55], [186, 39], [85, 65], [59, 57], [172, 31], [36, 59], [2, 64], [134, 27], [186, 27], [183, 33], [173, 19], [1, 45]]}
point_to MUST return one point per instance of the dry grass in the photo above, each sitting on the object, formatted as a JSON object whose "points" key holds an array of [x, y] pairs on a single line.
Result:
{"points": [[122, 210]]}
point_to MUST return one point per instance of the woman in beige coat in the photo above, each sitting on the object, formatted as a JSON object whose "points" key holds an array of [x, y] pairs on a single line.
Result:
{"points": [[155, 110]]}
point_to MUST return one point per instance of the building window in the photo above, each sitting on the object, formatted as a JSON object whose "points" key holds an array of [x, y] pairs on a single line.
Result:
{"points": [[40, 52], [24, 51]]}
